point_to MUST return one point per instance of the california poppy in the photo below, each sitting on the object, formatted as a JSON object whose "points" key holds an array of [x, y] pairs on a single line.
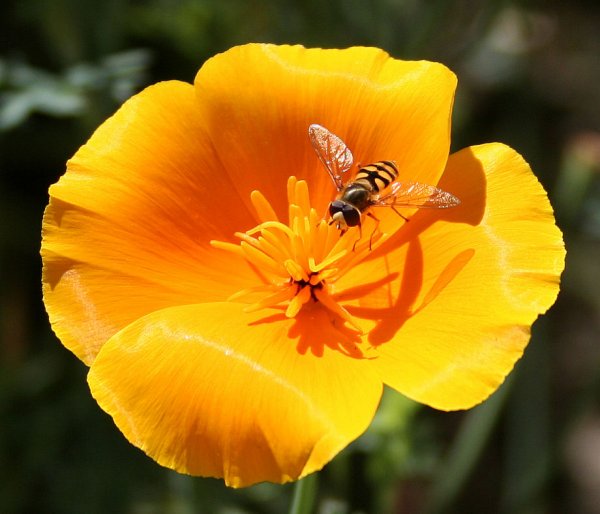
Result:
{"points": [[231, 330]]}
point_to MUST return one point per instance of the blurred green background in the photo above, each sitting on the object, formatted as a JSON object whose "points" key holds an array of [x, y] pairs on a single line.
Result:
{"points": [[529, 76]]}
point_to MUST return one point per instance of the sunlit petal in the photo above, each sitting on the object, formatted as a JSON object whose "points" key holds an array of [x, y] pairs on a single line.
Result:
{"points": [[210, 390], [128, 226], [381, 107], [466, 283]]}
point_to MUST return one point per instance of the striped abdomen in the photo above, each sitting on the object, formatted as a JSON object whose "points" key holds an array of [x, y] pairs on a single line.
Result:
{"points": [[377, 176]]}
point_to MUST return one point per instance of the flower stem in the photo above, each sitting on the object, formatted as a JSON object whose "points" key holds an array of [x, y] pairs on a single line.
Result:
{"points": [[305, 492]]}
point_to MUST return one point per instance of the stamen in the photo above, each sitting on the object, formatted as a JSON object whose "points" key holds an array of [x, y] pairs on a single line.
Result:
{"points": [[296, 262], [302, 199], [335, 307], [262, 207], [297, 302], [275, 241], [343, 242], [291, 190], [245, 294], [276, 252], [262, 260], [314, 280], [296, 271], [272, 300], [328, 274], [331, 259], [300, 254], [275, 225], [247, 238], [320, 241], [229, 247]]}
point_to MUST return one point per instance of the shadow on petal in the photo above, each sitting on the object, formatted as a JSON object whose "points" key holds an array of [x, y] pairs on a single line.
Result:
{"points": [[466, 180], [393, 304], [315, 328], [355, 293], [448, 274], [55, 272], [391, 318]]}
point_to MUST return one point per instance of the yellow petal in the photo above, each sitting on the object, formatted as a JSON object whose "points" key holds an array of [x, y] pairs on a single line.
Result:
{"points": [[459, 289], [260, 99], [210, 390], [128, 226]]}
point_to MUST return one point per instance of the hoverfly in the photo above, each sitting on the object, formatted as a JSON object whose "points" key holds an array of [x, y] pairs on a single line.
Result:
{"points": [[374, 185]]}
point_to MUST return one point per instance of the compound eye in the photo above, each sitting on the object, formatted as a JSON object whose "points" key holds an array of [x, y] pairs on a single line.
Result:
{"points": [[335, 207], [351, 215]]}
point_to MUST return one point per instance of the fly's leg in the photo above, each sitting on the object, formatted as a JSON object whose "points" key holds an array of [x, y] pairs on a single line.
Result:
{"points": [[377, 221], [359, 237], [398, 213]]}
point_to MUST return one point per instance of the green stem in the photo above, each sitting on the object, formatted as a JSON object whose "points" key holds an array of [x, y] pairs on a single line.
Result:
{"points": [[305, 493]]}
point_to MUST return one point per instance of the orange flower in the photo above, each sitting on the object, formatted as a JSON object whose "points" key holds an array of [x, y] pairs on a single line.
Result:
{"points": [[235, 333]]}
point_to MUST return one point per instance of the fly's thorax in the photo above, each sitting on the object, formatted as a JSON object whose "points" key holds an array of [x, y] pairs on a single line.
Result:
{"points": [[357, 194]]}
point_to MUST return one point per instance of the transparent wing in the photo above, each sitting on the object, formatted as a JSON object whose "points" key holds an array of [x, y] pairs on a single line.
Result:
{"points": [[332, 152], [414, 194]]}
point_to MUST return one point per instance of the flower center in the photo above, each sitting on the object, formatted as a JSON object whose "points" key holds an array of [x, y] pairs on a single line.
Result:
{"points": [[298, 263]]}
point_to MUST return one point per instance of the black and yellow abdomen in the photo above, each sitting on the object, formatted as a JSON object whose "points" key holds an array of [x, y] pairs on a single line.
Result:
{"points": [[377, 176]]}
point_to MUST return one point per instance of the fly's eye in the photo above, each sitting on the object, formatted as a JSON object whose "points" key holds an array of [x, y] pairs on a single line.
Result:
{"points": [[351, 215], [335, 207]]}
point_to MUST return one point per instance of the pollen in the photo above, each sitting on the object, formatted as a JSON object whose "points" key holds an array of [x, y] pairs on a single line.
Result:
{"points": [[297, 263]]}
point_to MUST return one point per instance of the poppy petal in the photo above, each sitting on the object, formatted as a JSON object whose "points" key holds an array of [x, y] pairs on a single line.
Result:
{"points": [[210, 390], [453, 319], [381, 107], [128, 226]]}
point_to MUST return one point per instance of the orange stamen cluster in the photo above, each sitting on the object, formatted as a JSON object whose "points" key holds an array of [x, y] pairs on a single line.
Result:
{"points": [[298, 262]]}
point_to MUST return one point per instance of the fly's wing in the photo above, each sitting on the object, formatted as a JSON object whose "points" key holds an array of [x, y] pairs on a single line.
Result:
{"points": [[332, 152], [414, 194]]}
